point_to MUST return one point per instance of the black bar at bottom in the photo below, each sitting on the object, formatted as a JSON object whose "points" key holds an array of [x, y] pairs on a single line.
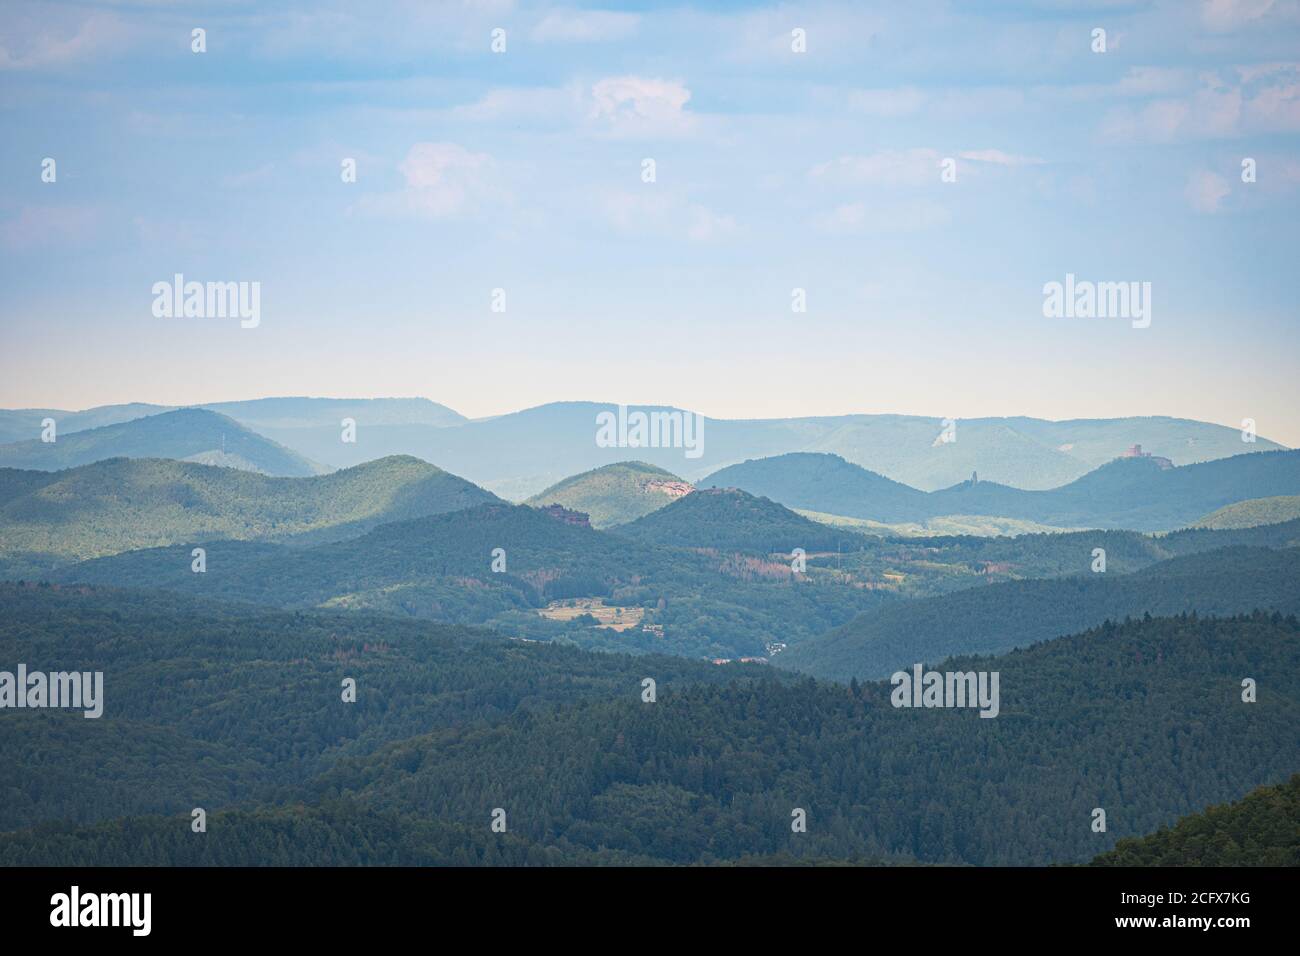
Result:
{"points": [[335, 905]]}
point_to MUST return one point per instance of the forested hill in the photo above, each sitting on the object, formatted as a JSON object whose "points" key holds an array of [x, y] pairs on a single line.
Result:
{"points": [[615, 494], [1260, 829], [447, 727], [824, 483], [1254, 512], [186, 433], [727, 519], [502, 565], [214, 702], [998, 617], [123, 504]]}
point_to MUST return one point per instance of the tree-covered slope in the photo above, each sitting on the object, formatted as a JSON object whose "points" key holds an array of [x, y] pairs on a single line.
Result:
{"points": [[922, 567], [123, 504], [825, 483], [997, 617], [207, 703], [1256, 511], [1143, 719], [728, 519], [615, 494], [186, 433], [502, 565], [1260, 829]]}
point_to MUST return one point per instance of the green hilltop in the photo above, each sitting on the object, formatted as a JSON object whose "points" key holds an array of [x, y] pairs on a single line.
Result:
{"points": [[123, 504], [1253, 512], [615, 494], [728, 519]]}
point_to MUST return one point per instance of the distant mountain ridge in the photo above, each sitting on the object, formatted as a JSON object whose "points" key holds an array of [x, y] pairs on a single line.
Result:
{"points": [[1135, 493], [519, 454], [186, 434]]}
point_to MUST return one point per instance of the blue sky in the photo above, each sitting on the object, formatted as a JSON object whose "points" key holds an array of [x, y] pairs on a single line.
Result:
{"points": [[775, 170]]}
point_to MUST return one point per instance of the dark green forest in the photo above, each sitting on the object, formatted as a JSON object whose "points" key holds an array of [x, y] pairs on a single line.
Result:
{"points": [[238, 710], [1261, 829], [733, 520]]}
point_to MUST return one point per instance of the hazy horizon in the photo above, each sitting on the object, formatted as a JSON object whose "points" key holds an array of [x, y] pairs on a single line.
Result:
{"points": [[607, 404]]}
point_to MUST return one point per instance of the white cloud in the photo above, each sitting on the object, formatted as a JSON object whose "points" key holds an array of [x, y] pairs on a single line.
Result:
{"points": [[641, 106], [1206, 191], [443, 180], [886, 217], [546, 103], [1223, 15], [584, 26], [48, 45], [908, 167], [997, 157], [1262, 98]]}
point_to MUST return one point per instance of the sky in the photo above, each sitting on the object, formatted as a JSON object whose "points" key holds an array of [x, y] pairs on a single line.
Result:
{"points": [[920, 170]]}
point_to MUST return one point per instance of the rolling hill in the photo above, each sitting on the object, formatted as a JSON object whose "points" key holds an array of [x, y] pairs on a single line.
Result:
{"points": [[1253, 512], [727, 519], [185, 434], [1134, 493], [997, 617], [615, 494], [122, 504], [441, 568], [825, 483]]}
